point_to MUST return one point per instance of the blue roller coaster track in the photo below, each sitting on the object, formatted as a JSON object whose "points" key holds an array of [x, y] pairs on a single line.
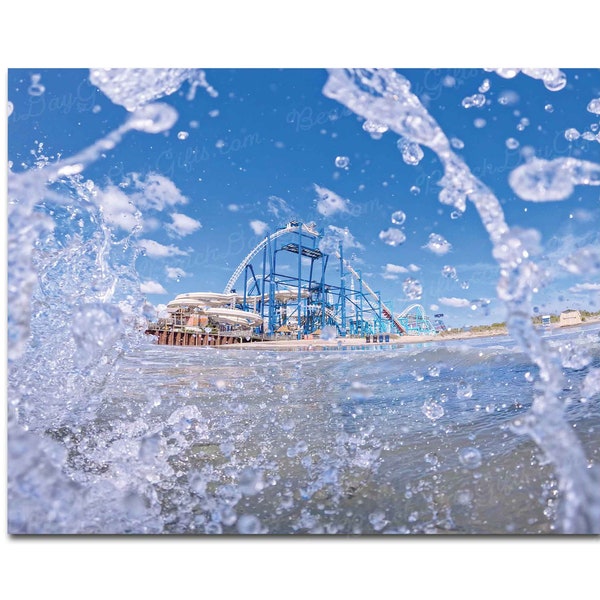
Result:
{"points": [[285, 279]]}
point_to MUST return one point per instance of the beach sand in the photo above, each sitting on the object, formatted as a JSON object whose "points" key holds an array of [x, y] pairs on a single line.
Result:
{"points": [[394, 339]]}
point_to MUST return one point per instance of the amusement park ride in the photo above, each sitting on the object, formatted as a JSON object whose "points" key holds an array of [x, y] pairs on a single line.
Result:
{"points": [[282, 288]]}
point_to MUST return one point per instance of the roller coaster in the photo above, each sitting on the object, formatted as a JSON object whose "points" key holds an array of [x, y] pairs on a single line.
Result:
{"points": [[282, 287]]}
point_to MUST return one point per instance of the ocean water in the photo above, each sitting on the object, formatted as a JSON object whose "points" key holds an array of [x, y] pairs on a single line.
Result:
{"points": [[110, 434], [418, 439]]}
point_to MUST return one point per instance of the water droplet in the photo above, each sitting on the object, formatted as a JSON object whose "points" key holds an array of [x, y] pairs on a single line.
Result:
{"points": [[412, 288], [432, 459], [572, 134], [512, 143], [433, 370], [398, 217], [594, 106], [432, 410], [36, 88], [476, 100], [479, 303], [329, 333], [438, 244], [213, 528], [456, 214], [480, 123], [485, 86], [412, 153], [508, 98], [11, 107], [378, 520], [469, 457], [392, 237], [415, 190], [524, 122], [457, 143], [183, 135], [588, 135], [374, 128], [153, 118], [288, 425], [464, 285], [464, 391], [557, 83], [342, 162], [549, 108], [197, 483], [251, 481], [449, 271], [464, 497], [529, 377], [248, 525]]}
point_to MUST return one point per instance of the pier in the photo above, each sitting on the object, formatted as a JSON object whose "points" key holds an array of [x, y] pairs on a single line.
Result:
{"points": [[181, 337]]}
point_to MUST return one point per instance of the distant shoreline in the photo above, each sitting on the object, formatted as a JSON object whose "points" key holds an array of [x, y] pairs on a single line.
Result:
{"points": [[394, 339]]}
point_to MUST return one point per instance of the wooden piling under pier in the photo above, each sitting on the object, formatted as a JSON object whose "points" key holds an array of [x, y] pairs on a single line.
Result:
{"points": [[165, 337]]}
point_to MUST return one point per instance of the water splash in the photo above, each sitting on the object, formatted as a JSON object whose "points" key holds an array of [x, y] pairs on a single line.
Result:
{"points": [[541, 180], [133, 88], [553, 79], [74, 310], [384, 95]]}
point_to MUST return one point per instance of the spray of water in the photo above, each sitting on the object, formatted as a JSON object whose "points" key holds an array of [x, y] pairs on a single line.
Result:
{"points": [[73, 468], [384, 96]]}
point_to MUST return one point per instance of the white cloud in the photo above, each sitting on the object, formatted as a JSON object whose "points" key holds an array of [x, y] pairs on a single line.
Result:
{"points": [[156, 250], [183, 225], [329, 203], [334, 235], [392, 236], [176, 273], [152, 287], [233, 207], [455, 302], [156, 192], [392, 271], [585, 287], [278, 207], [117, 208], [259, 227], [414, 268]]}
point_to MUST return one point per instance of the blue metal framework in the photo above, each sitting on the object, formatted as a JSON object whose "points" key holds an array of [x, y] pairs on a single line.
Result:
{"points": [[286, 282]]}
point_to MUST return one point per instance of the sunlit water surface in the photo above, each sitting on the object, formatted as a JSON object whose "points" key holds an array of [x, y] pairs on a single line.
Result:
{"points": [[416, 439]]}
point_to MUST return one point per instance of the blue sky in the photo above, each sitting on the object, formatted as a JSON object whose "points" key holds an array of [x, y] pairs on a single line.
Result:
{"points": [[257, 147]]}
